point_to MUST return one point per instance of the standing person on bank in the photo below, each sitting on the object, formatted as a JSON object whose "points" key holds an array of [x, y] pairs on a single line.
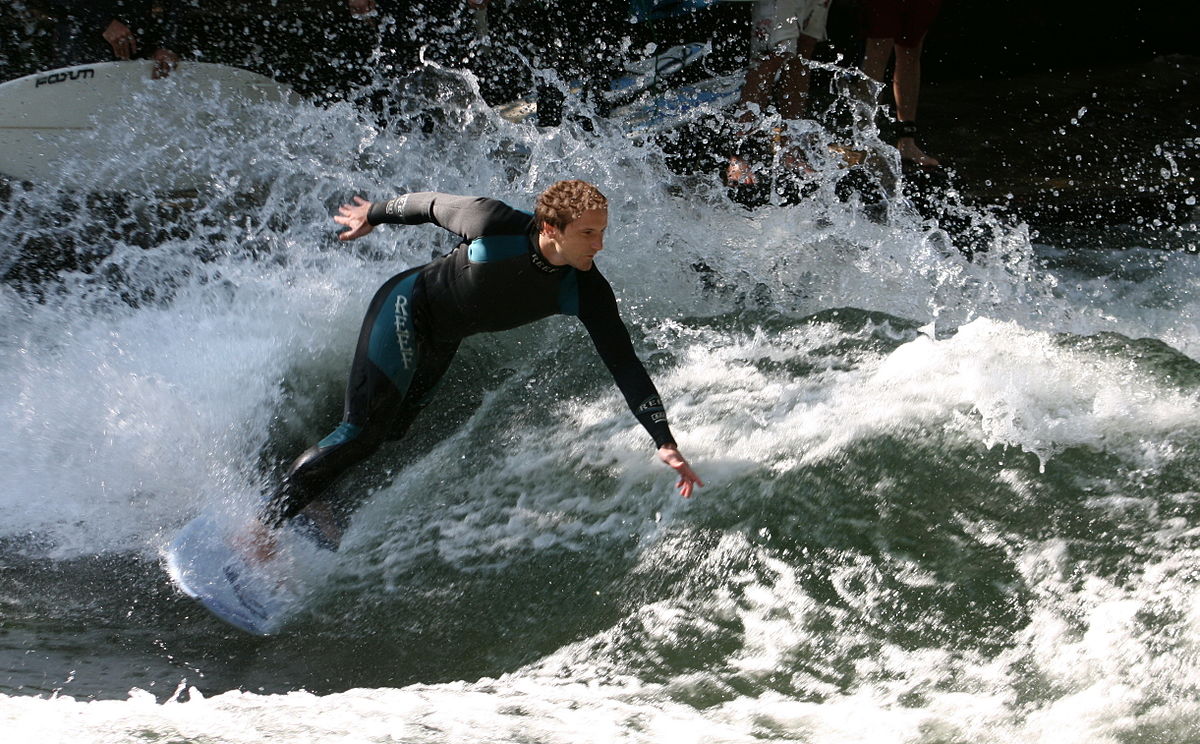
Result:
{"points": [[87, 30], [785, 36], [900, 26]]}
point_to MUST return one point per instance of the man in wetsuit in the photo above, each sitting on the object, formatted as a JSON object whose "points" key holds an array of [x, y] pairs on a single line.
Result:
{"points": [[512, 268]]}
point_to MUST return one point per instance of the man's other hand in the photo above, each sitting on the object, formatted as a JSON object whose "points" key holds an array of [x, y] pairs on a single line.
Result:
{"points": [[688, 479]]}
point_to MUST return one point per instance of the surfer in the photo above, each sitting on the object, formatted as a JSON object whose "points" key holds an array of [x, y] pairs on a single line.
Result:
{"points": [[512, 268]]}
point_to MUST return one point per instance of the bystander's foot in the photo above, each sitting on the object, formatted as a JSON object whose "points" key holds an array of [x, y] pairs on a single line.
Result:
{"points": [[912, 153]]}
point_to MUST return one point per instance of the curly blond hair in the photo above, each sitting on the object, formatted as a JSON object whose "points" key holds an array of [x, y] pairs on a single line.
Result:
{"points": [[565, 202]]}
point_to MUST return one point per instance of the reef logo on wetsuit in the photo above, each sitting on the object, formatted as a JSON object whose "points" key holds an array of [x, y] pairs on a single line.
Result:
{"points": [[653, 403], [403, 334], [542, 264], [396, 206]]}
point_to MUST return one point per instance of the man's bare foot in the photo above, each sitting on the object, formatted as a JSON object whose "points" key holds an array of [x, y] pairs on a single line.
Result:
{"points": [[323, 519], [257, 542], [848, 155]]}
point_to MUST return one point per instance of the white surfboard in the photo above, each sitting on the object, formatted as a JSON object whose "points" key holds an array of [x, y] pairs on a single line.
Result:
{"points": [[210, 561], [110, 125]]}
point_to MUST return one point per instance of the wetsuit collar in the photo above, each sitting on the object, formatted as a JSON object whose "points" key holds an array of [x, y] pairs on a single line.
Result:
{"points": [[535, 255]]}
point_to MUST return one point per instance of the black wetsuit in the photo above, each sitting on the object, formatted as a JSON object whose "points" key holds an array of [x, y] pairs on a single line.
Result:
{"points": [[494, 280]]}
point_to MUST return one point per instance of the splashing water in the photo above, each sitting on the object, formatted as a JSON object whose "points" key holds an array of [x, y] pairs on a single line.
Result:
{"points": [[948, 499]]}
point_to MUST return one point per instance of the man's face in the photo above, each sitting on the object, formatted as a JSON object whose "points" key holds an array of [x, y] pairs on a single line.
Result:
{"points": [[582, 239]]}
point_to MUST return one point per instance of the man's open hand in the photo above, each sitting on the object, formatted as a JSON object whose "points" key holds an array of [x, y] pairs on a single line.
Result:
{"points": [[669, 454], [354, 216]]}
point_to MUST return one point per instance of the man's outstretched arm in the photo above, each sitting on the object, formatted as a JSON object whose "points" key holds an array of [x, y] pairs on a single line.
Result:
{"points": [[469, 217], [599, 314]]}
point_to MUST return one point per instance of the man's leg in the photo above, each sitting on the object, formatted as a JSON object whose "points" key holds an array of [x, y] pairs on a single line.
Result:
{"points": [[792, 92], [779, 77], [906, 87], [390, 380], [875, 58]]}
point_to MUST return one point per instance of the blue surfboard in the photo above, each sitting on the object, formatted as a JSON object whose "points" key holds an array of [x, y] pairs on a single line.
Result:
{"points": [[672, 107], [641, 78], [650, 10], [208, 562], [654, 71]]}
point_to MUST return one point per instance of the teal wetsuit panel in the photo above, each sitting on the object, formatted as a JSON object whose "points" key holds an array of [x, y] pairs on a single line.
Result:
{"points": [[497, 248], [346, 432], [490, 248], [393, 345], [568, 293]]}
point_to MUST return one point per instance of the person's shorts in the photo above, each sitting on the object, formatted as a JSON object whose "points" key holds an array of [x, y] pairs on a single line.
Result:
{"points": [[905, 21], [779, 23]]}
